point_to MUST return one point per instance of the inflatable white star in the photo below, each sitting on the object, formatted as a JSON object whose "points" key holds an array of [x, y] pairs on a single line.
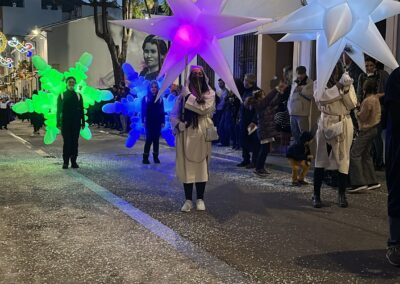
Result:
{"points": [[194, 29], [336, 24]]}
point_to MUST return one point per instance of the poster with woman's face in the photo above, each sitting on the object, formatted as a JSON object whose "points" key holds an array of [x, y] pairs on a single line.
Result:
{"points": [[154, 52]]}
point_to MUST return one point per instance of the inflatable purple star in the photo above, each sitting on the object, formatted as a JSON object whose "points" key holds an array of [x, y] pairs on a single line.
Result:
{"points": [[194, 29]]}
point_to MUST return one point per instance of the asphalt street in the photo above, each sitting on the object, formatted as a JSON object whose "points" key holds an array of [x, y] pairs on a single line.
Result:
{"points": [[115, 220]]}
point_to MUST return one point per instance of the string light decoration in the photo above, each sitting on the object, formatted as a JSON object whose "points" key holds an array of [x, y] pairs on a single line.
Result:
{"points": [[24, 47], [3, 42], [6, 62]]}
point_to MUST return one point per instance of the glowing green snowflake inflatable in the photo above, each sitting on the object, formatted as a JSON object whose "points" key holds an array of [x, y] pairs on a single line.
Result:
{"points": [[52, 85]]}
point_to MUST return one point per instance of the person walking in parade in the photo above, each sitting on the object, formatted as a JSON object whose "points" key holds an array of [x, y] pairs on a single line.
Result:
{"points": [[153, 118], [191, 119], [71, 119]]}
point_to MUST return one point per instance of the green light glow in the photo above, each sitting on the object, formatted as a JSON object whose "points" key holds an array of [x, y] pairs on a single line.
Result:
{"points": [[52, 85]]}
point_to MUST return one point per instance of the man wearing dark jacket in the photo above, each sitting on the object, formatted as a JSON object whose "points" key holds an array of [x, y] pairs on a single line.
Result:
{"points": [[248, 123], [70, 118]]}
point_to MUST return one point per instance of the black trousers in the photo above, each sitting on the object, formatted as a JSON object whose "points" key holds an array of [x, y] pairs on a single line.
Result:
{"points": [[200, 189], [152, 138], [319, 177], [392, 171], [262, 156], [250, 144], [70, 133]]}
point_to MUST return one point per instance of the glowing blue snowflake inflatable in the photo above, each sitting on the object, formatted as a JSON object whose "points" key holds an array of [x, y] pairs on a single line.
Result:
{"points": [[132, 104]]}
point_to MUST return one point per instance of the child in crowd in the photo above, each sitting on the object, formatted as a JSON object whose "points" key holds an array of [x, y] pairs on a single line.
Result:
{"points": [[299, 156]]}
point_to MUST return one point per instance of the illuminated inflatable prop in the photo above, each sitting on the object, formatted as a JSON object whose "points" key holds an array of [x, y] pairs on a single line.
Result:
{"points": [[338, 24], [132, 106], [194, 29], [53, 84]]}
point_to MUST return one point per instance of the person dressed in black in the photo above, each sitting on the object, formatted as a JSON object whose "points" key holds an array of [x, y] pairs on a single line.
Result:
{"points": [[37, 119], [153, 118], [392, 115], [71, 119], [248, 125]]}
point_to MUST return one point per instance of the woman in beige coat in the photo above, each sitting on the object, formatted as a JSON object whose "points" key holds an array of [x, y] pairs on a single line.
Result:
{"points": [[191, 118], [335, 133]]}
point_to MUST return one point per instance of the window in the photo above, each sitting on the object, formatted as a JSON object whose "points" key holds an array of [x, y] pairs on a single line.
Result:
{"points": [[208, 70], [245, 55], [11, 3]]}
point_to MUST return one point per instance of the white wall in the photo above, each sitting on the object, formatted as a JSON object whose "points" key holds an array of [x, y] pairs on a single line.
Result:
{"points": [[20, 21], [261, 8], [66, 42], [258, 9]]}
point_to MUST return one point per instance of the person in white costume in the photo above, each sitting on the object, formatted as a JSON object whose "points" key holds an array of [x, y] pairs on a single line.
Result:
{"points": [[335, 133]]}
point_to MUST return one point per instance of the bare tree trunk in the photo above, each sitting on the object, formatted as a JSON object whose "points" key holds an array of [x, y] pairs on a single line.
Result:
{"points": [[118, 55]]}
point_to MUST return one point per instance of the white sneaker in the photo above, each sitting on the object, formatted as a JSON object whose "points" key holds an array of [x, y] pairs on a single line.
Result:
{"points": [[357, 189], [200, 206], [374, 186], [187, 206]]}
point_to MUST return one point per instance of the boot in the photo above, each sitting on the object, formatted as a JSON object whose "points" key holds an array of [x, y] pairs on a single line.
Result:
{"points": [[155, 158], [65, 163], [318, 177], [342, 200], [74, 165], [146, 159], [316, 201]]}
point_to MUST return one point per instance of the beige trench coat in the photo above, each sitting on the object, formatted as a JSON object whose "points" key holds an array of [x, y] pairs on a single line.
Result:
{"points": [[335, 106], [192, 151]]}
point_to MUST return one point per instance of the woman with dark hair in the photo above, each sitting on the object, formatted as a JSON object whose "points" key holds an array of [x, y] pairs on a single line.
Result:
{"points": [[335, 133], [153, 118], [266, 106], [392, 115], [154, 52], [191, 118]]}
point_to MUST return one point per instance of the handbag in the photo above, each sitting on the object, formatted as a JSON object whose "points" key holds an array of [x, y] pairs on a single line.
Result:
{"points": [[333, 131], [211, 134]]}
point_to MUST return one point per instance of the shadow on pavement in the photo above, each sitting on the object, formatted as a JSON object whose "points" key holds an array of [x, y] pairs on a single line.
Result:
{"points": [[367, 264]]}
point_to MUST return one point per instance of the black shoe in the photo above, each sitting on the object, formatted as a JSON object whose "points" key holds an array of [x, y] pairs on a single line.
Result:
{"points": [[146, 159], [262, 173], [393, 255], [303, 182], [316, 201], [296, 183], [65, 166], [342, 201], [75, 166], [243, 164], [251, 166], [156, 159]]}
